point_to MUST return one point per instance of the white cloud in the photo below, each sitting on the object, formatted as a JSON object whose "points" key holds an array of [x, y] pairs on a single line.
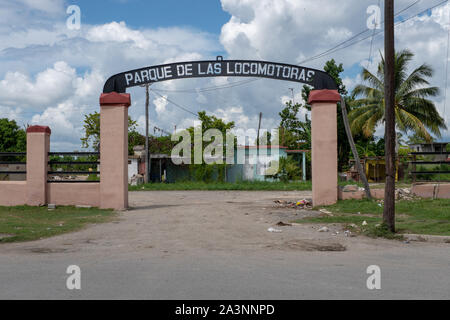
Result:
{"points": [[118, 32], [441, 16], [21, 14], [11, 113], [58, 118], [46, 6], [40, 55], [160, 105], [53, 84]]}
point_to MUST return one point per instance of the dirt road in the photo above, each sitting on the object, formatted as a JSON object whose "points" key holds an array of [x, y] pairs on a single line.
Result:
{"points": [[195, 244]]}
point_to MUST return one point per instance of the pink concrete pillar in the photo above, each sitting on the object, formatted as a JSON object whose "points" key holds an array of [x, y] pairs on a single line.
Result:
{"points": [[324, 146], [114, 150], [38, 146]]}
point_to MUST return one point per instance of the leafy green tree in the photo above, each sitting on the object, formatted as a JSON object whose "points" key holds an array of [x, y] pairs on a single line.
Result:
{"points": [[162, 145], [414, 111], [265, 138], [212, 122], [204, 172], [135, 139], [370, 148], [12, 137], [290, 129], [156, 145], [288, 116], [287, 169], [92, 131], [335, 71]]}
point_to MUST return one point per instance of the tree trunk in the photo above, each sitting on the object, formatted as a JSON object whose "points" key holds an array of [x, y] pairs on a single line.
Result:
{"points": [[354, 151]]}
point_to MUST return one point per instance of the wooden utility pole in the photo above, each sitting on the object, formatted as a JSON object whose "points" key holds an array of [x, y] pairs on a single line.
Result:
{"points": [[292, 92], [389, 115], [147, 153], [257, 141], [259, 127]]}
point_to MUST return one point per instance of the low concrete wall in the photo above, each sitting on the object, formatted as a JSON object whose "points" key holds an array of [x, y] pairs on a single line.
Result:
{"points": [[432, 190], [443, 191], [428, 190], [71, 194], [111, 192], [13, 193], [347, 195]]}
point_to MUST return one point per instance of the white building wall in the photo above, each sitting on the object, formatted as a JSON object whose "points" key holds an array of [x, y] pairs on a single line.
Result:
{"points": [[132, 168]]}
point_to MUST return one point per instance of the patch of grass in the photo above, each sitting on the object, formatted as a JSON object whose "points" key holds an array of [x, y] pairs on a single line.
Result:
{"points": [[381, 231], [243, 185], [420, 216], [347, 219], [25, 223], [93, 177], [374, 185]]}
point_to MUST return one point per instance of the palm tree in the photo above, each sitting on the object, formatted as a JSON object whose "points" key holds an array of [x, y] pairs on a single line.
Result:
{"points": [[413, 110]]}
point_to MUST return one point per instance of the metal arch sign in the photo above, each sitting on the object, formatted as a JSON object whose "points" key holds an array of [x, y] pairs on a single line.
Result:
{"points": [[219, 68]]}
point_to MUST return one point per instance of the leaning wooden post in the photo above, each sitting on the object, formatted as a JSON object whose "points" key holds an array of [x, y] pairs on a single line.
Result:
{"points": [[324, 146], [348, 131], [114, 150]]}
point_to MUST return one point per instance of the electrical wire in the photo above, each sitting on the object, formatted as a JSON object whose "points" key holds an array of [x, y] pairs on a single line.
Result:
{"points": [[320, 55], [338, 48], [212, 88], [174, 103], [315, 57]]}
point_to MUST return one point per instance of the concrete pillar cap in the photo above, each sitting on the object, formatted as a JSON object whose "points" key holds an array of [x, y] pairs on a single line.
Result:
{"points": [[114, 98], [325, 95], [45, 129]]}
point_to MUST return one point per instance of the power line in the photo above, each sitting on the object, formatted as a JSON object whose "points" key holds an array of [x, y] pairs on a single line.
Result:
{"points": [[353, 37], [337, 47], [155, 128], [212, 88], [320, 55], [172, 102], [315, 57]]}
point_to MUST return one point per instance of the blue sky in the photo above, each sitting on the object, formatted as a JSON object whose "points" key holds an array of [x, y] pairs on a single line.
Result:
{"points": [[51, 75], [204, 15]]}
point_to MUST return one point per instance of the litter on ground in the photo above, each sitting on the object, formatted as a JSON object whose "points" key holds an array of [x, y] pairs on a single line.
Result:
{"points": [[283, 224], [300, 204]]}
